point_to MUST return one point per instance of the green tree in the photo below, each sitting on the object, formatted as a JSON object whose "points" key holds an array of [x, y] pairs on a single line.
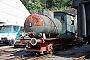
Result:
{"points": [[67, 3], [32, 5], [59, 4], [35, 5]]}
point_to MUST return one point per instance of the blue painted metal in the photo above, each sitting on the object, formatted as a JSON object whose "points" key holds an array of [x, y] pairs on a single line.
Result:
{"points": [[68, 29], [43, 24], [9, 33], [60, 25]]}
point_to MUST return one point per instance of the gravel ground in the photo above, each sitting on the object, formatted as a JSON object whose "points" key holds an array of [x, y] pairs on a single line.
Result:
{"points": [[71, 53], [11, 52]]}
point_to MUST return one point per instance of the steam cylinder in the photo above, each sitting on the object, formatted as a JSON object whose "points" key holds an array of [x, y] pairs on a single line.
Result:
{"points": [[43, 24]]}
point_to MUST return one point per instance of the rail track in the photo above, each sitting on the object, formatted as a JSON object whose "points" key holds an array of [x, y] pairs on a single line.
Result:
{"points": [[19, 54], [24, 57], [10, 53], [6, 50]]}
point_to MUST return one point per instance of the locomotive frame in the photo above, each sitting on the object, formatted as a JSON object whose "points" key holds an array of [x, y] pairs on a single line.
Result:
{"points": [[44, 42]]}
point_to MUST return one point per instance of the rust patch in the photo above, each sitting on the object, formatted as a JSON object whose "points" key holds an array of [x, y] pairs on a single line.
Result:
{"points": [[35, 19]]}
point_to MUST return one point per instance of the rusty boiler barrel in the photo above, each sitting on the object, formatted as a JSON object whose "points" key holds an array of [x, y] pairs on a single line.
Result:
{"points": [[43, 24]]}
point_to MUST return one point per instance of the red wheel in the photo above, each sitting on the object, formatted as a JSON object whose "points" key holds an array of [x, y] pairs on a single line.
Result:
{"points": [[50, 48]]}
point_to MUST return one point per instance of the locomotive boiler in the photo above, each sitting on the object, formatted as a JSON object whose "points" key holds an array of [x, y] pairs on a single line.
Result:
{"points": [[44, 34], [40, 24]]}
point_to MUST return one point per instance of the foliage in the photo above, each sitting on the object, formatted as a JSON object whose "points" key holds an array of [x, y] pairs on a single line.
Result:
{"points": [[59, 4], [32, 6], [35, 5]]}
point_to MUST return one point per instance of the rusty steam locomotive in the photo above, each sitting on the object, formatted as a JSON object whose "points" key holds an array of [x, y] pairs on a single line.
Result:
{"points": [[44, 34]]}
